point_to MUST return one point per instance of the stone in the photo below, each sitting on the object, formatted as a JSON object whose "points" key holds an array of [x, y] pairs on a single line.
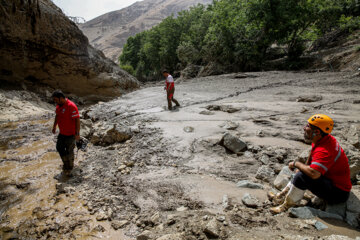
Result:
{"points": [[310, 98], [353, 136], [320, 226], [265, 173], [212, 229], [233, 143], [353, 219], [145, 235], [188, 129], [60, 188], [110, 135], [182, 209], [207, 113], [264, 159], [59, 59], [155, 218], [308, 213], [99, 228], [229, 125], [101, 216], [250, 201], [248, 184], [122, 167], [225, 202], [339, 209], [176, 236], [283, 178], [353, 202], [220, 218], [304, 155], [119, 224]]}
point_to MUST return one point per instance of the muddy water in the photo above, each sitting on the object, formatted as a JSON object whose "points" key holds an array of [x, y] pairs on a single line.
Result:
{"points": [[28, 188]]}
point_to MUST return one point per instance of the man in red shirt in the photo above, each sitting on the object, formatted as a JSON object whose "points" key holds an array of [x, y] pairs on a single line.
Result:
{"points": [[68, 120], [326, 173], [170, 89]]}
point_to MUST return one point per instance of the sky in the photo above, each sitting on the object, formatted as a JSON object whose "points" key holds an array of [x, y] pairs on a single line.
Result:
{"points": [[90, 9]]}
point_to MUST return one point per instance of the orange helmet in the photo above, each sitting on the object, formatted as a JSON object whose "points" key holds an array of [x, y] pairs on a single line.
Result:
{"points": [[325, 123]]}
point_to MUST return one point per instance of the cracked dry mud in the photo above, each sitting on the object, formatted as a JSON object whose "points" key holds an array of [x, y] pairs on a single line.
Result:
{"points": [[172, 180]]}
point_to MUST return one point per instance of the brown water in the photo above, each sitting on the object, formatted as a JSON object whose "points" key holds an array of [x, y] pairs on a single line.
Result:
{"points": [[28, 192]]}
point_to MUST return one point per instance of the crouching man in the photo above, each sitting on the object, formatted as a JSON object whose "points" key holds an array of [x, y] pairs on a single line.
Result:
{"points": [[68, 120], [327, 172]]}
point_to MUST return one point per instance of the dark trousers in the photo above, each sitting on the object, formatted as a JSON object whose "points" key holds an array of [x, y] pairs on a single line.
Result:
{"points": [[65, 146], [170, 97], [321, 187]]}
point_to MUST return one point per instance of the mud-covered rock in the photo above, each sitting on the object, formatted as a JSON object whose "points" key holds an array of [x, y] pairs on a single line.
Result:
{"points": [[265, 173], [233, 143], [353, 136], [111, 134], [212, 229], [283, 178], [250, 201], [248, 184]]}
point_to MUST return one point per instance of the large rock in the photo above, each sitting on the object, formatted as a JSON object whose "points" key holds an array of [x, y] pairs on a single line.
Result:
{"points": [[308, 212], [40, 46], [212, 229], [283, 178], [265, 173], [233, 143], [111, 134]]}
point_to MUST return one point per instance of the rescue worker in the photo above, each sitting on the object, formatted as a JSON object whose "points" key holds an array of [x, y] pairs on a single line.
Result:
{"points": [[170, 89], [68, 119], [326, 173]]}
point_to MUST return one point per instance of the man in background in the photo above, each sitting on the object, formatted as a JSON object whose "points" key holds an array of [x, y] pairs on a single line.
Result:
{"points": [[170, 89], [68, 120]]}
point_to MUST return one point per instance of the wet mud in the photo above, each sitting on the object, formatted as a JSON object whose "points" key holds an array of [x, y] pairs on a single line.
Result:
{"points": [[172, 178]]}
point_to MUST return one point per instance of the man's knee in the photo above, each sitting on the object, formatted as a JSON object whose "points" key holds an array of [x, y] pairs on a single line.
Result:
{"points": [[301, 181]]}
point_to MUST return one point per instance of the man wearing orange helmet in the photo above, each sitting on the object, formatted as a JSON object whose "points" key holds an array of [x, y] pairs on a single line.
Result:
{"points": [[326, 173]]}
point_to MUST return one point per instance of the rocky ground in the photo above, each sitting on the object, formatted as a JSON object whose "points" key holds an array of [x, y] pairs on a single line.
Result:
{"points": [[201, 171]]}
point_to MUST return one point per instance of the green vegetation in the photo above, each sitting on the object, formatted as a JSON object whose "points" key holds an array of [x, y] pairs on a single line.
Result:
{"points": [[236, 34]]}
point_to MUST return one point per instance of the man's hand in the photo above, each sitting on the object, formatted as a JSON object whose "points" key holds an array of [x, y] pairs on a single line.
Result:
{"points": [[54, 130], [164, 88], [291, 166], [77, 137]]}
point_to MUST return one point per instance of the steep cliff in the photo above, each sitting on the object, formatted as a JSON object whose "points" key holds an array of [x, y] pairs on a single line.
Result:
{"points": [[110, 31], [40, 47]]}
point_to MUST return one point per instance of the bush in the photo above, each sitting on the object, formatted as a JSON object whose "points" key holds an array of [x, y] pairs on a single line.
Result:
{"points": [[128, 68]]}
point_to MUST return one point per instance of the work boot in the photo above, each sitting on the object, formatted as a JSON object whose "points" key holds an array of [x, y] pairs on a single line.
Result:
{"points": [[279, 198], [293, 197]]}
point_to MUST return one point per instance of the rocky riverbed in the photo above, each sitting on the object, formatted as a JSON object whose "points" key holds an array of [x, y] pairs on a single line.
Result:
{"points": [[201, 171]]}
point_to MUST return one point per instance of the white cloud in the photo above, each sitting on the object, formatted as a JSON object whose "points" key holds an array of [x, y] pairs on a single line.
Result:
{"points": [[90, 9]]}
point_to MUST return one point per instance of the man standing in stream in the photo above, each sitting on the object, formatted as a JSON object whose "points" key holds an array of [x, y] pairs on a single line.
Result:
{"points": [[170, 89], [68, 119]]}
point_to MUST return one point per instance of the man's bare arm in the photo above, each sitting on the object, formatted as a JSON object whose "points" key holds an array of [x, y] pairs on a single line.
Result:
{"points": [[55, 123]]}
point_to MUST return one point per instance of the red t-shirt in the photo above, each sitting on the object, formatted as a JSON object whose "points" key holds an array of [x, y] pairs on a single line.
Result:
{"points": [[66, 118], [329, 159]]}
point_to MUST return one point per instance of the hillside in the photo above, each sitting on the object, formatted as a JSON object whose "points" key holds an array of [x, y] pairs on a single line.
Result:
{"points": [[42, 50], [110, 31]]}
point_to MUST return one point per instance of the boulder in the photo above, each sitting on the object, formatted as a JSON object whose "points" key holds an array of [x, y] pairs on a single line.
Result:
{"points": [[265, 173], [264, 159], [283, 178], [109, 135], [339, 209], [248, 184], [40, 46], [250, 201], [320, 226], [353, 219], [233, 143]]}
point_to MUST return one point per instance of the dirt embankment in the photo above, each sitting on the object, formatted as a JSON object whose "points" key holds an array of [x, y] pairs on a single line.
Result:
{"points": [[154, 174]]}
